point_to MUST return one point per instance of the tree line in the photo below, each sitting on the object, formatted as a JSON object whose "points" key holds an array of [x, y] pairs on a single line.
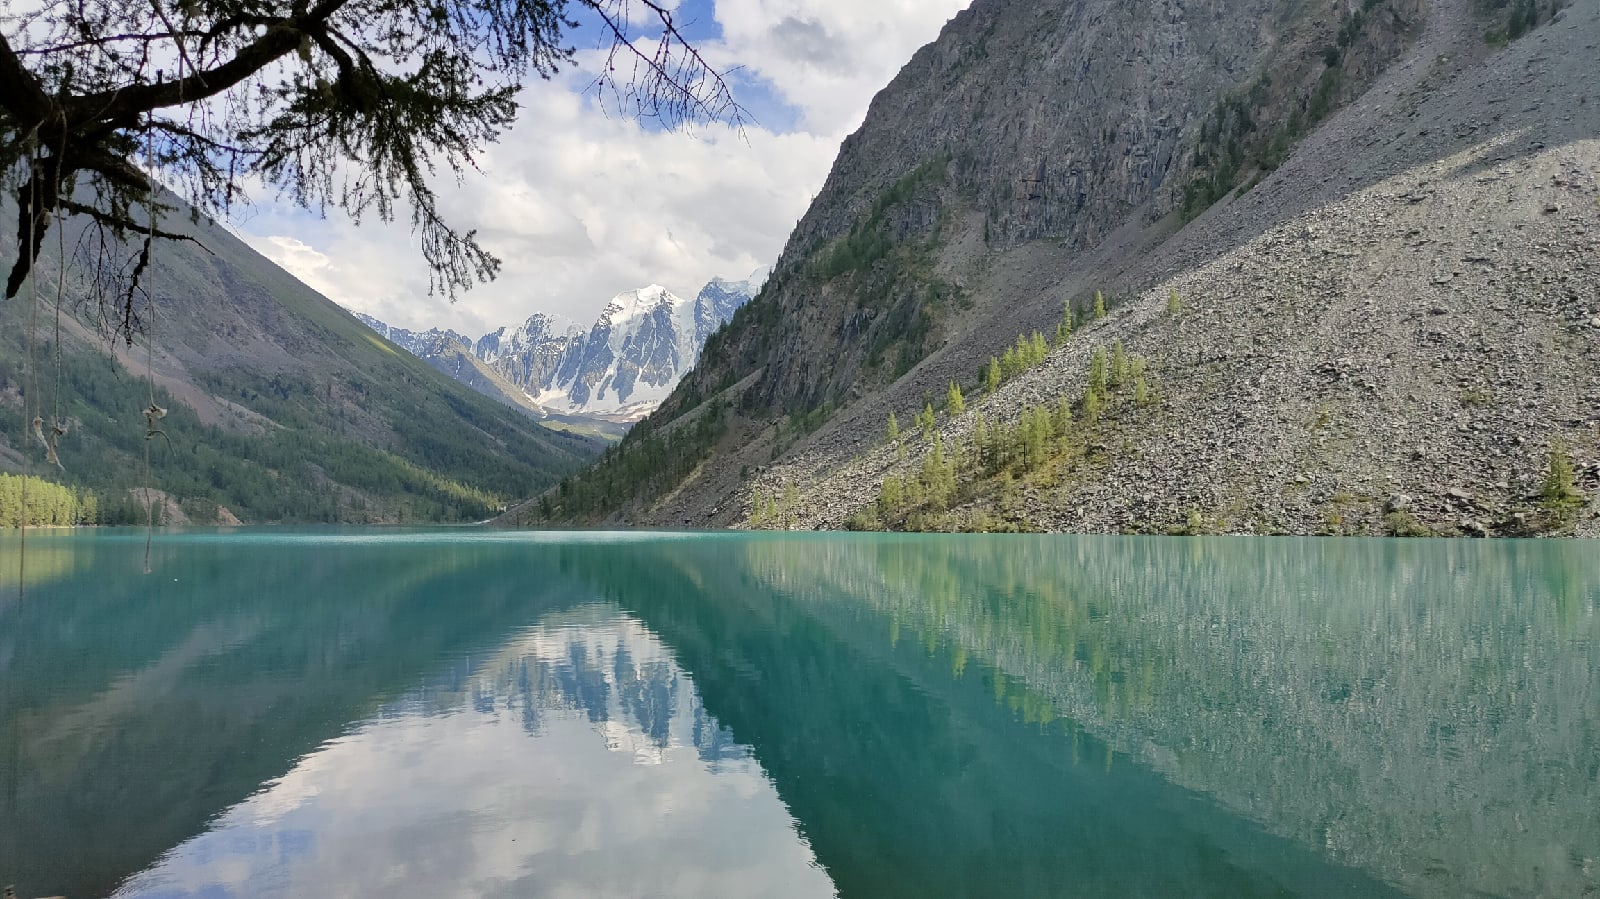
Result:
{"points": [[39, 503]]}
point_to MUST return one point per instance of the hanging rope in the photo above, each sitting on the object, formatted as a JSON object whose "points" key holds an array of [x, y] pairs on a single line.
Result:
{"points": [[30, 383], [58, 425], [152, 412]]}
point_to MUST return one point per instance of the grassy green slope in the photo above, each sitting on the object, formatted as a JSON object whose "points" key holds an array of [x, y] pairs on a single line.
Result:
{"points": [[282, 406]]}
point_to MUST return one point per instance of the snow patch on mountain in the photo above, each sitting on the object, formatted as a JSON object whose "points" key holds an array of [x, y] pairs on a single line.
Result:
{"points": [[623, 366]]}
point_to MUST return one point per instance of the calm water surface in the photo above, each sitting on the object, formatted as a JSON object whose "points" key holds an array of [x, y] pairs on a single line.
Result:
{"points": [[444, 713]]}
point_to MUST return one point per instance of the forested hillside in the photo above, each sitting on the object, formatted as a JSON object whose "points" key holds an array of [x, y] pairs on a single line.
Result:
{"points": [[280, 406]]}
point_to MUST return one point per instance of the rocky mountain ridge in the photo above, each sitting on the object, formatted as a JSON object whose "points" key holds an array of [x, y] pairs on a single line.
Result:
{"points": [[1396, 350], [639, 347], [1384, 323]]}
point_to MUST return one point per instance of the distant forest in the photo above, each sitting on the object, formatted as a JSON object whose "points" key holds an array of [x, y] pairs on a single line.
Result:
{"points": [[48, 504]]}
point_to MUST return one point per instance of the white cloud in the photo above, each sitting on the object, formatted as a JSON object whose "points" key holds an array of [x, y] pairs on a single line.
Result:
{"points": [[581, 206], [829, 57]]}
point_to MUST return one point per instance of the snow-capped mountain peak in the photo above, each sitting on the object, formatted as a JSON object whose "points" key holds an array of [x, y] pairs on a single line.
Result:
{"points": [[422, 344], [641, 344]]}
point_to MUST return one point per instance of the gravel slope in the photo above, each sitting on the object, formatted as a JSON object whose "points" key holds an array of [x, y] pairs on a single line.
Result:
{"points": [[1406, 315]]}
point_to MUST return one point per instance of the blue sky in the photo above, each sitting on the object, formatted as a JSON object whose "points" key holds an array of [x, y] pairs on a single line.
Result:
{"points": [[583, 204]]}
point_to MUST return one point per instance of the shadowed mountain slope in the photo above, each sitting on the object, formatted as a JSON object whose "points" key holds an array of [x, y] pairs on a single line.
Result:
{"points": [[281, 406]]}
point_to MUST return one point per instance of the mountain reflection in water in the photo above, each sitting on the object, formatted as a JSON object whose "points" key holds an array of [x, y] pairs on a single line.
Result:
{"points": [[371, 713], [574, 760]]}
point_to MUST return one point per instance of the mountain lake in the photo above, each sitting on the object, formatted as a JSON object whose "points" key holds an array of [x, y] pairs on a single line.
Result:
{"points": [[290, 712]]}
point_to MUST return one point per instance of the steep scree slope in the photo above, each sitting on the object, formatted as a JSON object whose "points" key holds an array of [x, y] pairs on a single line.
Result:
{"points": [[1390, 329]]}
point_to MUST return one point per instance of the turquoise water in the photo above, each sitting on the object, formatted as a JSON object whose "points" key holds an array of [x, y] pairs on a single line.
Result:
{"points": [[442, 713]]}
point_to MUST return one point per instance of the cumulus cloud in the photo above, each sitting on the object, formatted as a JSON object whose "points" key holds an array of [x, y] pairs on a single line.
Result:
{"points": [[582, 204]]}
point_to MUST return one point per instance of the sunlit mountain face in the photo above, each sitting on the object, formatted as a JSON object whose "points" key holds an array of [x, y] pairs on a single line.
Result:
{"points": [[623, 365]]}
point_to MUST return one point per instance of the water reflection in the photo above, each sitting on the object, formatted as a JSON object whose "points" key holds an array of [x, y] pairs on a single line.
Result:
{"points": [[359, 712], [1429, 711], [571, 761], [47, 559], [134, 708]]}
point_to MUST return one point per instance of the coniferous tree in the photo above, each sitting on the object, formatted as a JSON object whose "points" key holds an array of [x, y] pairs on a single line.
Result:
{"points": [[758, 509], [980, 442], [1035, 435], [1010, 363], [894, 427], [891, 496], [1092, 404], [1119, 365], [346, 103], [992, 377], [1099, 305], [1064, 329], [791, 505], [954, 401], [1062, 425], [1560, 493], [938, 476], [1097, 371]]}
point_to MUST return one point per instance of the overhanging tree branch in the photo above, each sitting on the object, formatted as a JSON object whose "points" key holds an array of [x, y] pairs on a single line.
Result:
{"points": [[353, 103]]}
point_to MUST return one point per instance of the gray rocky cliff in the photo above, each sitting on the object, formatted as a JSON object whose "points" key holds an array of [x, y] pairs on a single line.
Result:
{"points": [[529, 355], [1025, 121], [1379, 220]]}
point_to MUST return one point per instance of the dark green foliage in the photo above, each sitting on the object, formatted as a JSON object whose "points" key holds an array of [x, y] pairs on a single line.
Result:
{"points": [[1069, 323], [869, 241], [1514, 18], [862, 248], [1324, 95], [452, 456], [1233, 142], [808, 421], [640, 469], [876, 266]]}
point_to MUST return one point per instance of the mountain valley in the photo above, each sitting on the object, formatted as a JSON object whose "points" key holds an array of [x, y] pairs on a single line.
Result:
{"points": [[1329, 276], [278, 405]]}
